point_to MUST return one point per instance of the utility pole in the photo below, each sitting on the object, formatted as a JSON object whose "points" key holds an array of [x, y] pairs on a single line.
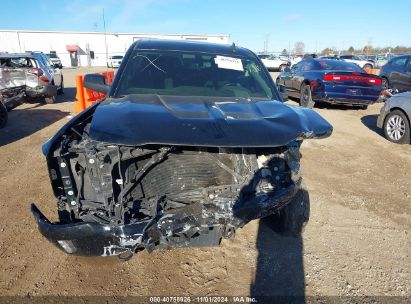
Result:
{"points": [[18, 38], [105, 36]]}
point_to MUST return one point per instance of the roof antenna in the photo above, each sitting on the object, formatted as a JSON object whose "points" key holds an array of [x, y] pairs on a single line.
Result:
{"points": [[233, 48]]}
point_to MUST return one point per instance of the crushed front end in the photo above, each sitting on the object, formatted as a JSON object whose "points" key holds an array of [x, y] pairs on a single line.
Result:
{"points": [[139, 174], [115, 199]]}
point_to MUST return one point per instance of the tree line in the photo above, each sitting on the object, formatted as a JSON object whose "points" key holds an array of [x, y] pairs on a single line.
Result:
{"points": [[368, 49], [299, 48]]}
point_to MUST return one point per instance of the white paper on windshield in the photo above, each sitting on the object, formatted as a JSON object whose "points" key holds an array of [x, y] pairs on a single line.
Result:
{"points": [[229, 63]]}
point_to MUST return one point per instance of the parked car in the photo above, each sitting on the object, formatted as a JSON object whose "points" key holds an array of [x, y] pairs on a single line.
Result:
{"points": [[396, 74], [370, 58], [12, 82], [365, 64], [330, 57], [331, 81], [43, 80], [381, 60], [395, 117], [55, 60], [192, 143], [274, 63], [114, 61]]}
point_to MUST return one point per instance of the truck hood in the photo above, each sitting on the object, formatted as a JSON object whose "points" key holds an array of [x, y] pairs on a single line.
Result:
{"points": [[137, 120]]}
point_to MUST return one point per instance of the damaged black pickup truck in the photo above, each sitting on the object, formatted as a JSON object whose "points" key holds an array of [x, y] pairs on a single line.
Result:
{"points": [[192, 143]]}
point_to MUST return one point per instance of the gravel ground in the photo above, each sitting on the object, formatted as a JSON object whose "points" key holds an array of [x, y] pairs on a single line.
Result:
{"points": [[356, 243]]}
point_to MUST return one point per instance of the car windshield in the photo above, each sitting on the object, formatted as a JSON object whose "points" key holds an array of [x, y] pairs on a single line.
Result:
{"points": [[194, 74], [117, 57], [339, 65], [52, 55]]}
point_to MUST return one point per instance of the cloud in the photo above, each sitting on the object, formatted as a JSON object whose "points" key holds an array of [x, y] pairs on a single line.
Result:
{"points": [[292, 17]]}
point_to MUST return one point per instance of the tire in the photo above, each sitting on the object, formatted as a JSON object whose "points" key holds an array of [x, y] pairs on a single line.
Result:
{"points": [[4, 115], [282, 67], [50, 99], [367, 66], [397, 127], [291, 220], [60, 90], [305, 97], [385, 84]]}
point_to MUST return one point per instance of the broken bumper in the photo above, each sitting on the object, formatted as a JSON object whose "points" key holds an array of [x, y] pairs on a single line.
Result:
{"points": [[204, 225], [42, 90]]}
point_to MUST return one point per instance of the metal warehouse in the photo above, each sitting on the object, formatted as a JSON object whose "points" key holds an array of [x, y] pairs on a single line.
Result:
{"points": [[84, 48]]}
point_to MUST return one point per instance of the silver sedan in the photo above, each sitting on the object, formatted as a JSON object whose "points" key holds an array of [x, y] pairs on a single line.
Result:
{"points": [[395, 118]]}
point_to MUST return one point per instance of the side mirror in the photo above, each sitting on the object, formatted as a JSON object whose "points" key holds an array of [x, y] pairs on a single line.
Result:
{"points": [[283, 91], [96, 82]]}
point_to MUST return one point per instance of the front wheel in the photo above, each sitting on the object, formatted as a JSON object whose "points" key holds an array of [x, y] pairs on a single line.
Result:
{"points": [[60, 90], [4, 115], [385, 84], [397, 127], [305, 97], [50, 99]]}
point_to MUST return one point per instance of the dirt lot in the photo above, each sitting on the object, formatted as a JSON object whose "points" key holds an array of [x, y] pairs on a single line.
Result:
{"points": [[356, 243]]}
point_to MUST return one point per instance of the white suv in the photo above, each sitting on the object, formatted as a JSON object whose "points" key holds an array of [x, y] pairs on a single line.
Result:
{"points": [[273, 62], [114, 61], [365, 64]]}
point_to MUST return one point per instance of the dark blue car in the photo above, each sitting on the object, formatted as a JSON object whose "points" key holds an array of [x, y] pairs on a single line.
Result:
{"points": [[331, 81]]}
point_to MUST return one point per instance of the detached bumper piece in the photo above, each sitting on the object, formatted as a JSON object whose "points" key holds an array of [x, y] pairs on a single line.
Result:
{"points": [[195, 225]]}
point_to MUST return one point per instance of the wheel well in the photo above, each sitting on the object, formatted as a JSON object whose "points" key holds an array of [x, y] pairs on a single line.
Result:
{"points": [[305, 82], [401, 110]]}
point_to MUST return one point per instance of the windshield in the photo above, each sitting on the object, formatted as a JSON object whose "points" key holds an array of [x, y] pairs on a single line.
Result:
{"points": [[339, 66], [51, 55], [117, 57], [194, 74]]}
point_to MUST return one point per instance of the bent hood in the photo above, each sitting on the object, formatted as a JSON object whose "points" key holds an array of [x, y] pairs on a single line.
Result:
{"points": [[150, 119]]}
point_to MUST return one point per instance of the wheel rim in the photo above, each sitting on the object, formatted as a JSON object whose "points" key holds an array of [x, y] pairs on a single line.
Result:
{"points": [[395, 127], [384, 84], [305, 96]]}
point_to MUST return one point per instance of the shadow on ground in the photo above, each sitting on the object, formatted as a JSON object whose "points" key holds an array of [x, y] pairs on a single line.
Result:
{"points": [[69, 95], [280, 269], [25, 122], [370, 121]]}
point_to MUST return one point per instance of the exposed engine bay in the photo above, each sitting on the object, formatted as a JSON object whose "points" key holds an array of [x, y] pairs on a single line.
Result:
{"points": [[177, 195]]}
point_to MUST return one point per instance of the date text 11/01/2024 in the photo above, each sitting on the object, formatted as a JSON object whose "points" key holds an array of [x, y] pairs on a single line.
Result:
{"points": [[205, 299]]}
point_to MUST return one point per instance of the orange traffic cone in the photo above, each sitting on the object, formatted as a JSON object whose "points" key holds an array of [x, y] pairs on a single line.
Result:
{"points": [[79, 104]]}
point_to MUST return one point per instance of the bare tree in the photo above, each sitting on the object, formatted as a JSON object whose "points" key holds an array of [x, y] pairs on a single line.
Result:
{"points": [[327, 51], [299, 47]]}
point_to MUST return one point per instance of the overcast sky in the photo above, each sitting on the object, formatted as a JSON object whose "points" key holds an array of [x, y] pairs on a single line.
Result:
{"points": [[317, 23]]}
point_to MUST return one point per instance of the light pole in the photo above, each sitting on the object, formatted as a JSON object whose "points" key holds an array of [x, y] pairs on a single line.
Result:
{"points": [[105, 36]]}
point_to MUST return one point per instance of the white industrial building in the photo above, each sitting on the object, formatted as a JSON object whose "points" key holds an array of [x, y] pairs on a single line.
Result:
{"points": [[84, 48]]}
